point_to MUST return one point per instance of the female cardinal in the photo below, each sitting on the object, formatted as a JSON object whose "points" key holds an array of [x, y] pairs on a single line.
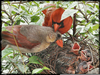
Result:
{"points": [[53, 19], [30, 38]]}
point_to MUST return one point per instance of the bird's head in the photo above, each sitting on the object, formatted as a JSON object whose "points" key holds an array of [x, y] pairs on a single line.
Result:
{"points": [[56, 36]]}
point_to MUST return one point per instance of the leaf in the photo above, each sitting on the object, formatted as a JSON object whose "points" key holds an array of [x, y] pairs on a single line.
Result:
{"points": [[14, 6], [67, 13], [95, 27], [35, 18], [35, 60], [45, 68], [6, 52], [88, 11], [97, 6], [89, 5], [90, 29], [73, 5], [22, 7], [13, 12], [18, 22], [7, 22], [36, 3], [22, 21], [37, 70], [22, 67]]}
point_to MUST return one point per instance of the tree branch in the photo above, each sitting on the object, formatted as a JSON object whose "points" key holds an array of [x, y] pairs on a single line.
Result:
{"points": [[74, 23], [6, 23], [8, 16], [83, 15]]}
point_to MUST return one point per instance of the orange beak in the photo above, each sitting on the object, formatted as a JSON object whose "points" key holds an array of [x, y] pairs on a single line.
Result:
{"points": [[59, 43], [75, 48], [90, 66], [83, 55], [56, 27]]}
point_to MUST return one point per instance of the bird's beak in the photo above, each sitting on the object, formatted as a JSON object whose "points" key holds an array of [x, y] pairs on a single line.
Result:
{"points": [[56, 27], [83, 55], [90, 66], [75, 49], [59, 43]]}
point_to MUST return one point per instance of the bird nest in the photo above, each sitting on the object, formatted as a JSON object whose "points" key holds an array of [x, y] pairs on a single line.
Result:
{"points": [[50, 55]]}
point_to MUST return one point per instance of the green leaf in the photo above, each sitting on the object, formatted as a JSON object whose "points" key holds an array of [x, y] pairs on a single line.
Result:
{"points": [[35, 60], [22, 67], [22, 7], [7, 22], [13, 12], [37, 70], [6, 52], [73, 5], [67, 13], [18, 22], [88, 11], [14, 6], [97, 6], [35, 18], [95, 27], [36, 3], [89, 5], [45, 68], [90, 29], [22, 21]]}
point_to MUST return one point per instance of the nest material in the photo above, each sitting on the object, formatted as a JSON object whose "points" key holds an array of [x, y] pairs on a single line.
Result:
{"points": [[50, 55]]}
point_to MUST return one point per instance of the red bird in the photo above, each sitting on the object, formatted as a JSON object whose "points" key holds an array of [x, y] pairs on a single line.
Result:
{"points": [[47, 13], [30, 38], [53, 19]]}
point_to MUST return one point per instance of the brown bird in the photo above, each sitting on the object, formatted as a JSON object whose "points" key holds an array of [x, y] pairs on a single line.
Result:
{"points": [[30, 38]]}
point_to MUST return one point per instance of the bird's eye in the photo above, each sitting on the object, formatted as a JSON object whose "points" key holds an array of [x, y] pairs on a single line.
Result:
{"points": [[88, 56], [85, 67], [58, 35]]}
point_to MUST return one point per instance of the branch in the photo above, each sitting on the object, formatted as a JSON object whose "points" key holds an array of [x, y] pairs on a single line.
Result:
{"points": [[74, 23], [6, 23], [8, 16], [83, 15]]}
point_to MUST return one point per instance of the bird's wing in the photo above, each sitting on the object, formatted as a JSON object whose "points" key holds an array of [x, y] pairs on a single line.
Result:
{"points": [[22, 40], [66, 25]]}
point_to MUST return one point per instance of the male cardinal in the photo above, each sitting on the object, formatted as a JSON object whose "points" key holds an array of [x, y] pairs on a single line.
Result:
{"points": [[47, 13], [53, 19], [30, 38]]}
